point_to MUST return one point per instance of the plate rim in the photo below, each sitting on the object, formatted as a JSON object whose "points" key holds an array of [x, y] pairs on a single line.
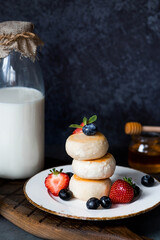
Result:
{"points": [[85, 218]]}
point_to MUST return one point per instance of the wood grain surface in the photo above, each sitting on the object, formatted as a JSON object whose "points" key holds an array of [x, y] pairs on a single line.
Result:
{"points": [[15, 208]]}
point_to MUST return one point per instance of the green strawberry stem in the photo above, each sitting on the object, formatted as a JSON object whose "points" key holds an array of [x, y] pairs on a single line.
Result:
{"points": [[129, 180], [55, 172]]}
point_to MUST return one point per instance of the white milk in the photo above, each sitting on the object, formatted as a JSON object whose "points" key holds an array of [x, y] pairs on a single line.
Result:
{"points": [[21, 132]]}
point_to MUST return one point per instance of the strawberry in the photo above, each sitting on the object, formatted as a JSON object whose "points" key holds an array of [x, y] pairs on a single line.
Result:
{"points": [[56, 181], [122, 191], [78, 130]]}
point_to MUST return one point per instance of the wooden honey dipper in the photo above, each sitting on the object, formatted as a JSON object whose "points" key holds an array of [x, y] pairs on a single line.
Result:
{"points": [[134, 128]]}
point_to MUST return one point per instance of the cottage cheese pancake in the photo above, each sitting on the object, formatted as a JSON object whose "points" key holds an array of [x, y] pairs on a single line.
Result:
{"points": [[84, 189], [95, 169], [82, 147]]}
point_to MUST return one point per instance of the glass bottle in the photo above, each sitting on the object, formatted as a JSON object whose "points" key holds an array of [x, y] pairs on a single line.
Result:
{"points": [[144, 152], [21, 117]]}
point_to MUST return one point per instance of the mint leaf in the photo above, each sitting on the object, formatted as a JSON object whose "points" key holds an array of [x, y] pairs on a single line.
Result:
{"points": [[85, 120], [75, 126], [92, 119]]}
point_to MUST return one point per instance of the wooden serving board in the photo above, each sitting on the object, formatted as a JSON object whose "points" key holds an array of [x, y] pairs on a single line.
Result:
{"points": [[15, 208]]}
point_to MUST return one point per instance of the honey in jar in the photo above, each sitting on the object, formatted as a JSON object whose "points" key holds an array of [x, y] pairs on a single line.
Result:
{"points": [[144, 152]]}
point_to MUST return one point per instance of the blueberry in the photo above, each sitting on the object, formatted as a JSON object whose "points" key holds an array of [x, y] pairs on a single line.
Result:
{"points": [[70, 174], [147, 180], [65, 194], [105, 202], [136, 191], [93, 203], [89, 129]]}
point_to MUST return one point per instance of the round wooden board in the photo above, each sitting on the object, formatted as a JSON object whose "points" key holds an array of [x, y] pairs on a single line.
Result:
{"points": [[15, 208]]}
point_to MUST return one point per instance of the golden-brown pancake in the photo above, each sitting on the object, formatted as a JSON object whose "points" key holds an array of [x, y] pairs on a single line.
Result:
{"points": [[82, 147], [84, 189], [95, 169]]}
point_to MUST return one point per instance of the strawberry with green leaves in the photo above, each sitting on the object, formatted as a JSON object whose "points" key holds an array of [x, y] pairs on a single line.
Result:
{"points": [[56, 181], [87, 126], [123, 191], [78, 130]]}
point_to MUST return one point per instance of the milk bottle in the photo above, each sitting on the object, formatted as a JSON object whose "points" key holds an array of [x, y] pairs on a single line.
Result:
{"points": [[21, 102], [21, 132]]}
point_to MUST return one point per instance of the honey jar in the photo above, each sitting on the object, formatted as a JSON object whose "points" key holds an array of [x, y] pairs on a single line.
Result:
{"points": [[144, 152]]}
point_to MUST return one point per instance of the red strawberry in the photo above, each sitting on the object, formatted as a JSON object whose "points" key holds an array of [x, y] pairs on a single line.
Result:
{"points": [[121, 191], [78, 130], [56, 181]]}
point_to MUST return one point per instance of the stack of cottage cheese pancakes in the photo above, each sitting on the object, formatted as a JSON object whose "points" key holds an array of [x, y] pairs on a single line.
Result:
{"points": [[92, 165]]}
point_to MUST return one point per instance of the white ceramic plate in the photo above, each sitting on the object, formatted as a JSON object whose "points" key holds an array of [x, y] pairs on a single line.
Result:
{"points": [[37, 194]]}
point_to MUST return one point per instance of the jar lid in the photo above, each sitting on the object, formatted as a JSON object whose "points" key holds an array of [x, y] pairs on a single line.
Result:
{"points": [[150, 134], [18, 36]]}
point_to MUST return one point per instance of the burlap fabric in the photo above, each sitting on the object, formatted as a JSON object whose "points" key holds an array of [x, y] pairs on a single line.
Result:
{"points": [[18, 36]]}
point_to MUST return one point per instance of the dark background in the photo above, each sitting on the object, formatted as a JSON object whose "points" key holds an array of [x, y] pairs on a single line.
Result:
{"points": [[100, 57]]}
